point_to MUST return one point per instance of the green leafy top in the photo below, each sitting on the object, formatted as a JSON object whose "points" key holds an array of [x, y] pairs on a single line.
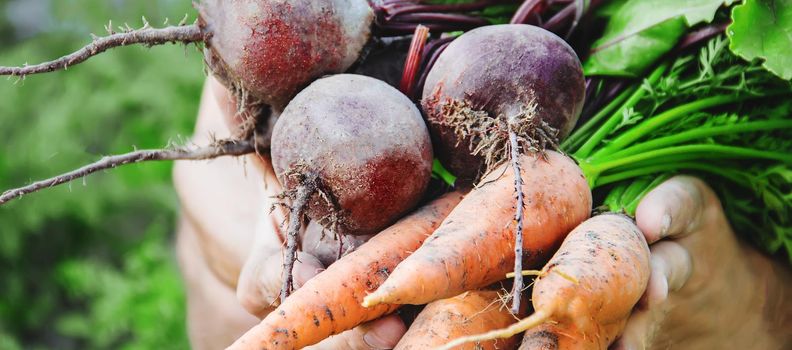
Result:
{"points": [[711, 114], [762, 29], [641, 31]]}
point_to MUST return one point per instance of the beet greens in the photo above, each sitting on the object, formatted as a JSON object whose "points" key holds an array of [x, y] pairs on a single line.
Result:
{"points": [[707, 113]]}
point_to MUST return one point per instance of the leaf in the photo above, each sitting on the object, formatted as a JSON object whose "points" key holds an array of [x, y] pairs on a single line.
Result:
{"points": [[641, 31], [762, 29]]}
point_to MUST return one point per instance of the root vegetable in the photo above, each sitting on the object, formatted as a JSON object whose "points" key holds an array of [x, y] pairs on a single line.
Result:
{"points": [[271, 49], [590, 285], [474, 246], [329, 303], [468, 313], [556, 336], [352, 153], [497, 79], [498, 92], [267, 50]]}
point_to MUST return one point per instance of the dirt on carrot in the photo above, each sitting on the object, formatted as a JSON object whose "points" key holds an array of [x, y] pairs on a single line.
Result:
{"points": [[330, 303], [468, 313], [589, 287], [474, 247]]}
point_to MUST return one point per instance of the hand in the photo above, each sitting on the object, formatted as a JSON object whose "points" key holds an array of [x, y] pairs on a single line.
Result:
{"points": [[707, 290], [229, 243]]}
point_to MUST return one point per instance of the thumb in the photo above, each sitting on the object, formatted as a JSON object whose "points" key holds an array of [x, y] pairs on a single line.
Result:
{"points": [[675, 208]]}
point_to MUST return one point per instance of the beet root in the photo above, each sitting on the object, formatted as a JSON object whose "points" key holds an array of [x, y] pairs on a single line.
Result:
{"points": [[266, 51], [496, 78], [354, 152]]}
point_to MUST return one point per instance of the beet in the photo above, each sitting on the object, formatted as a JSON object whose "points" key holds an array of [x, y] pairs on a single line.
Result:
{"points": [[271, 49], [265, 51], [490, 75], [354, 152]]}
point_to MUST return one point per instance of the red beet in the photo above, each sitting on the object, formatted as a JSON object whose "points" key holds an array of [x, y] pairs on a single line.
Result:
{"points": [[353, 153], [271, 49], [494, 74]]}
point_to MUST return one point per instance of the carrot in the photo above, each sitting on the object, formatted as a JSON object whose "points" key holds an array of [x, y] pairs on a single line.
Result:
{"points": [[468, 313], [590, 285], [474, 246], [329, 303], [555, 336]]}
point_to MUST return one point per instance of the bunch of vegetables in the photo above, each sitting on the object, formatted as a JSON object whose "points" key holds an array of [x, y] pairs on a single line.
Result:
{"points": [[500, 107]]}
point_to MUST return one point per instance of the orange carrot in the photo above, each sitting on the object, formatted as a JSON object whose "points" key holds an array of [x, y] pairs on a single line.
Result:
{"points": [[329, 303], [474, 246], [468, 313], [556, 336], [590, 285]]}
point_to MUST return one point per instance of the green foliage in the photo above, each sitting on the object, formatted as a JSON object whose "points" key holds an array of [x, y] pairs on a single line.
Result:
{"points": [[90, 266], [642, 31], [710, 114], [762, 30]]}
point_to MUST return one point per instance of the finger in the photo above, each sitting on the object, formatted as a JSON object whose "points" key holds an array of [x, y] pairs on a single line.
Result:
{"points": [[261, 279], [673, 208], [383, 333], [639, 331], [671, 267], [326, 245], [226, 103]]}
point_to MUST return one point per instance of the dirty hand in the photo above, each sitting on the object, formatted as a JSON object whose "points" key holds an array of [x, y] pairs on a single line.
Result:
{"points": [[229, 243], [707, 290]]}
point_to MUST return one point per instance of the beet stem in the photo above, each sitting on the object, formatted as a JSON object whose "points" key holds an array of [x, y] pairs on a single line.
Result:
{"points": [[441, 18], [146, 35], [560, 19], [527, 10], [216, 149], [413, 61], [518, 219], [435, 50], [305, 190], [395, 9]]}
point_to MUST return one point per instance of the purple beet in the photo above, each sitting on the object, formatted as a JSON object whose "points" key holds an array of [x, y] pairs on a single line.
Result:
{"points": [[495, 78]]}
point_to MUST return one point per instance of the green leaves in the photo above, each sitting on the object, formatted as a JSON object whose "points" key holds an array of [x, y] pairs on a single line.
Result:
{"points": [[709, 114], [762, 29], [641, 31]]}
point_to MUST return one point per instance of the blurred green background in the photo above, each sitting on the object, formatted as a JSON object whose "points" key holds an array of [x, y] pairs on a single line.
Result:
{"points": [[91, 265]]}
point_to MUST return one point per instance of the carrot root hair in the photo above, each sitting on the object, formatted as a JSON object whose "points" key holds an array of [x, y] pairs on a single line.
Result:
{"points": [[539, 317]]}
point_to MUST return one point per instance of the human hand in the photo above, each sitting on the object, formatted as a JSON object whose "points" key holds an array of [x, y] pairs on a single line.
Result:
{"points": [[230, 240], [707, 290]]}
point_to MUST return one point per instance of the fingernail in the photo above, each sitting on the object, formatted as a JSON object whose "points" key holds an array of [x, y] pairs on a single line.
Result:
{"points": [[303, 273], [377, 338], [665, 225]]}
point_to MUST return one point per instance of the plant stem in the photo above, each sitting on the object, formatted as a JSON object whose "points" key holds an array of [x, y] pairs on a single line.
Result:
{"points": [[573, 140], [606, 128], [697, 134], [629, 174], [689, 152], [664, 118]]}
